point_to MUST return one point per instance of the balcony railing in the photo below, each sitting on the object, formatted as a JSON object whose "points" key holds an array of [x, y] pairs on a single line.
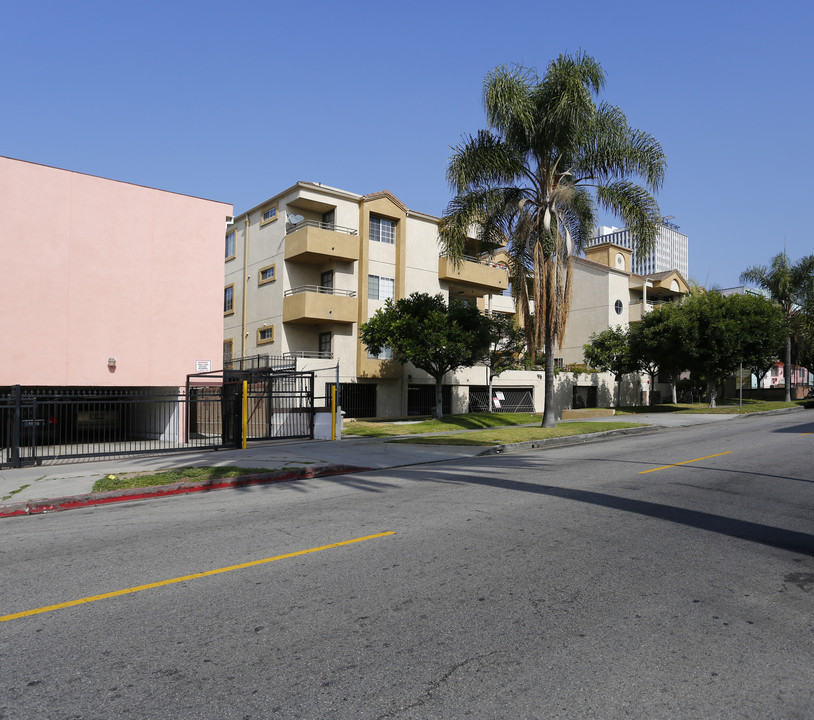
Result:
{"points": [[290, 228], [478, 260], [310, 354], [321, 289]]}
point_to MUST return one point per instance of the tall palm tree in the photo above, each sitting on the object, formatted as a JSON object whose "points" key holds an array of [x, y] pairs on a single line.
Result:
{"points": [[787, 284], [533, 180]]}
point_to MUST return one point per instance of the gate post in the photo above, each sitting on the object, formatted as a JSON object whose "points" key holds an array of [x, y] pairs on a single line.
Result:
{"points": [[16, 420]]}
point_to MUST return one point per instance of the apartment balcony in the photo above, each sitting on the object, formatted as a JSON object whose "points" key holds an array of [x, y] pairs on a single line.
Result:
{"points": [[478, 276], [637, 308], [316, 305], [316, 242]]}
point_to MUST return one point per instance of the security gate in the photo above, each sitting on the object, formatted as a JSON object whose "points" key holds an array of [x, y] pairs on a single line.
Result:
{"points": [[48, 425], [278, 404]]}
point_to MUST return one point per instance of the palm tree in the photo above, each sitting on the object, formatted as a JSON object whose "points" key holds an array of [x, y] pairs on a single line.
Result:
{"points": [[532, 182], [786, 284]]}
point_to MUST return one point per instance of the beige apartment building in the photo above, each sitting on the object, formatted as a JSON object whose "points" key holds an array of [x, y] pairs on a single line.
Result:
{"points": [[307, 267]]}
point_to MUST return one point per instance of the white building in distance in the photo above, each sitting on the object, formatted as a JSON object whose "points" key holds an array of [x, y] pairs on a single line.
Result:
{"points": [[671, 251]]}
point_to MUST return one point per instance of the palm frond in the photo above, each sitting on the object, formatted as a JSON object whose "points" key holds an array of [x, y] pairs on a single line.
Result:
{"points": [[481, 161], [637, 208]]}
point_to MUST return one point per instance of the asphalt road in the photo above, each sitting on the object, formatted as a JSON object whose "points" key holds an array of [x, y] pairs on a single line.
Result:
{"points": [[567, 583]]}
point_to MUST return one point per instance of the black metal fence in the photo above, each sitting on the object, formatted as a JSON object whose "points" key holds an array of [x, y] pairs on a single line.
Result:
{"points": [[48, 425], [44, 425], [519, 400], [358, 400]]}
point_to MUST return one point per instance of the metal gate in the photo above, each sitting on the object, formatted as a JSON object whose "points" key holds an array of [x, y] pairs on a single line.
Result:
{"points": [[279, 404], [48, 425]]}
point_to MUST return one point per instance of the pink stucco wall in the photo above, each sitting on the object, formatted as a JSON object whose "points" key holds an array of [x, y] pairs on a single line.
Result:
{"points": [[94, 268]]}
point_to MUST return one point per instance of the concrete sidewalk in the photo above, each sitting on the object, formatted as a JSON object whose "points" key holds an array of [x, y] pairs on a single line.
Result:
{"points": [[71, 479]]}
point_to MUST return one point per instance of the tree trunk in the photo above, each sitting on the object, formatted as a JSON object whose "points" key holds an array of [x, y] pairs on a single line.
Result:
{"points": [[549, 415], [712, 391], [439, 397], [787, 369], [619, 392], [489, 389], [673, 390]]}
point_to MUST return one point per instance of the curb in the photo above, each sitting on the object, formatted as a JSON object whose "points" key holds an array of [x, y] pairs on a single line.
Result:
{"points": [[570, 440], [40, 507]]}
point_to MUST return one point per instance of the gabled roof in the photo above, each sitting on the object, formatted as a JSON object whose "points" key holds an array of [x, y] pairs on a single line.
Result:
{"points": [[385, 194], [663, 281]]}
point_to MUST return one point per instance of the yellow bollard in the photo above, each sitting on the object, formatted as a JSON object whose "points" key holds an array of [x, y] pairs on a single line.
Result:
{"points": [[245, 411]]}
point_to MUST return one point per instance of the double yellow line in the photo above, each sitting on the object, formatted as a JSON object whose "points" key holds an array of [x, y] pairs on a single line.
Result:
{"points": [[195, 576]]}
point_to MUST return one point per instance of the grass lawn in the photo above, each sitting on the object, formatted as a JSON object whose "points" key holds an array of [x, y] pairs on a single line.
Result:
{"points": [[167, 477], [470, 421], [726, 407], [507, 435]]}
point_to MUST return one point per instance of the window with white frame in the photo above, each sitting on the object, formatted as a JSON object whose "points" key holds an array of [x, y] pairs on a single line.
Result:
{"points": [[382, 230], [380, 288], [230, 245]]}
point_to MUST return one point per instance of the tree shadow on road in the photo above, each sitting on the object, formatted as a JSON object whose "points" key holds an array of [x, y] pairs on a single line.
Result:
{"points": [[742, 529]]}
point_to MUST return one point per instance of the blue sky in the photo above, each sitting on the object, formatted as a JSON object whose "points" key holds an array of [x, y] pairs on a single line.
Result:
{"points": [[237, 101]]}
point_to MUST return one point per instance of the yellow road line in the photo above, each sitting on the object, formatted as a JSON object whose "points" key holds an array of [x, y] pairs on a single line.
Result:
{"points": [[172, 581], [706, 457]]}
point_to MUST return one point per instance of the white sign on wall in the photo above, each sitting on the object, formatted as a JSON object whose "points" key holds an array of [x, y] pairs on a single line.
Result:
{"points": [[203, 366]]}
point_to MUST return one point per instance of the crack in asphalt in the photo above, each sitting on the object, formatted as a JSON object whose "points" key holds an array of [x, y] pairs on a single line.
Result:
{"points": [[427, 696]]}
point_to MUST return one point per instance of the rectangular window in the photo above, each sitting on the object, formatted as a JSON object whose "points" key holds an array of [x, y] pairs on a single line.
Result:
{"points": [[267, 274], [228, 346], [269, 215], [380, 288], [329, 218], [325, 344], [228, 299], [385, 353], [230, 245], [265, 335], [326, 281], [558, 363], [382, 230]]}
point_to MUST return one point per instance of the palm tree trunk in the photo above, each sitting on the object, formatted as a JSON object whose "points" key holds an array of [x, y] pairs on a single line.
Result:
{"points": [[489, 389], [787, 369], [549, 415]]}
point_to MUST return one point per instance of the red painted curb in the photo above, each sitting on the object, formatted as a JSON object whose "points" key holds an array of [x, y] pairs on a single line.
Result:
{"points": [[39, 507]]}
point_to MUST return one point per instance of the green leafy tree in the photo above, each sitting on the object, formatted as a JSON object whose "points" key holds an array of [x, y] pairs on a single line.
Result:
{"points": [[655, 345], [716, 333], [803, 328], [763, 332], [787, 284], [506, 343], [709, 339], [609, 351], [435, 337], [533, 180]]}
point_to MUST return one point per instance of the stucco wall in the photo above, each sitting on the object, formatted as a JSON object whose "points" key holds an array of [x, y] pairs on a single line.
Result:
{"points": [[95, 268]]}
